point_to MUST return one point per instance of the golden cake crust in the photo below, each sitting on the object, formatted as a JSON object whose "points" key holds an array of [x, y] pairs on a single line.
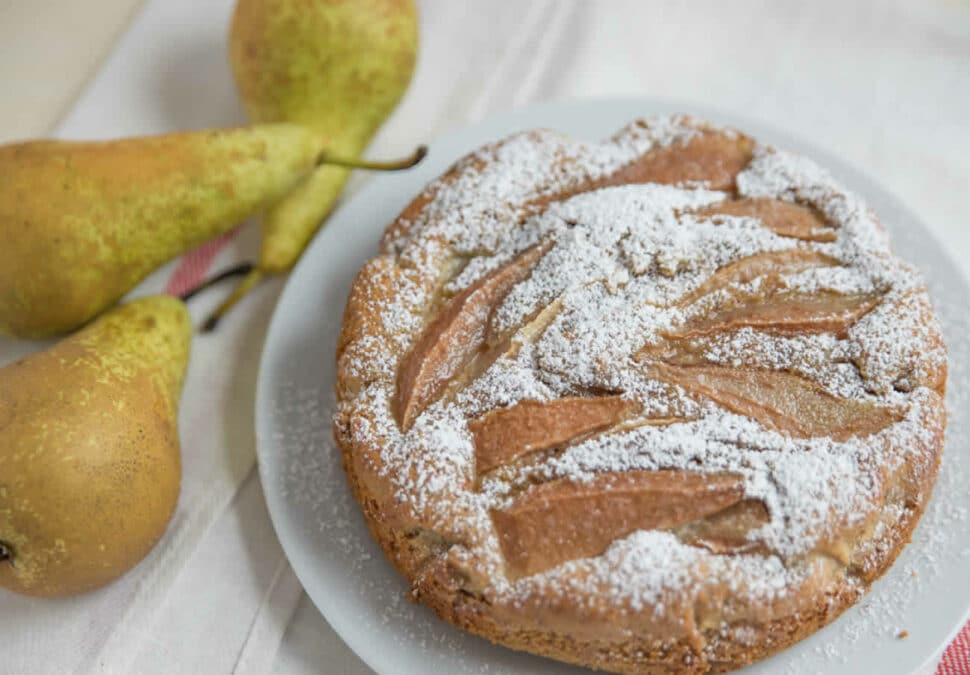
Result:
{"points": [[690, 492]]}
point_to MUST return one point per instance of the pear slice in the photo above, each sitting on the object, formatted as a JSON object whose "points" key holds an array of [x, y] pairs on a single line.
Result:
{"points": [[564, 520], [455, 336], [727, 531], [777, 263], [503, 435], [503, 342], [778, 400], [786, 219], [787, 313], [775, 309], [712, 158]]}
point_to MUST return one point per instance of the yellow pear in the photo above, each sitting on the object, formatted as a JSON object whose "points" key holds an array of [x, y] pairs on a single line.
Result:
{"points": [[336, 66], [83, 222], [89, 449]]}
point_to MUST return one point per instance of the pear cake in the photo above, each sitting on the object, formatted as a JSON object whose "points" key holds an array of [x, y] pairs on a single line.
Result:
{"points": [[665, 403]]}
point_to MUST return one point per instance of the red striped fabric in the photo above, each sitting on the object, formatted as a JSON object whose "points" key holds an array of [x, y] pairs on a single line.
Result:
{"points": [[193, 268], [956, 658], [194, 265]]}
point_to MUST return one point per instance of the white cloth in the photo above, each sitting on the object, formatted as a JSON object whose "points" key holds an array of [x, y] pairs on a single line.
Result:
{"points": [[886, 85]]}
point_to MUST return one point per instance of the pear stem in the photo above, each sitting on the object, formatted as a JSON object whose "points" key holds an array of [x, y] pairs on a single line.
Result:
{"points": [[6, 552], [252, 278], [237, 271], [253, 275], [393, 165]]}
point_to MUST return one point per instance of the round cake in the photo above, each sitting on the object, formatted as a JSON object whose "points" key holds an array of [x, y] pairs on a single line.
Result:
{"points": [[665, 403]]}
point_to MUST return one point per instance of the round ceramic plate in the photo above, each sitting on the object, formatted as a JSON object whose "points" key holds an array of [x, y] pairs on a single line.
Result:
{"points": [[361, 595]]}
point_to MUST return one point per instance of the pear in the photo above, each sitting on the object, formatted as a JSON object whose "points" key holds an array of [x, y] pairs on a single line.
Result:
{"points": [[336, 66], [89, 449], [83, 222]]}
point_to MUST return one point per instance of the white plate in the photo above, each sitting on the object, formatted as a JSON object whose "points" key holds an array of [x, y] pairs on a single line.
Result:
{"points": [[926, 593]]}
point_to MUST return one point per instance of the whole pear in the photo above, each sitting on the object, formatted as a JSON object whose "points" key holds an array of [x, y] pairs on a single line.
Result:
{"points": [[83, 222], [337, 66], [89, 449]]}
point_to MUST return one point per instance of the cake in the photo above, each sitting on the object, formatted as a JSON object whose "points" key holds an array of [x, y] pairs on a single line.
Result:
{"points": [[665, 403]]}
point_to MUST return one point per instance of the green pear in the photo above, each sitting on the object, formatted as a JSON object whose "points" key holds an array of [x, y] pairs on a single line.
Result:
{"points": [[89, 449], [83, 222], [337, 66]]}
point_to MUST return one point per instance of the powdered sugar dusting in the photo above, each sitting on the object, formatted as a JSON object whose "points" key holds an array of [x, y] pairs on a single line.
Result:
{"points": [[621, 258]]}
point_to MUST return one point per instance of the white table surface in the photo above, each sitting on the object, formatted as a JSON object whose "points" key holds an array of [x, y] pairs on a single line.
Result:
{"points": [[886, 85]]}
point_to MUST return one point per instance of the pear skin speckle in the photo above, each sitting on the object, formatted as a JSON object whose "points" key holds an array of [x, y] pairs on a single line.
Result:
{"points": [[337, 66], [124, 207], [86, 492]]}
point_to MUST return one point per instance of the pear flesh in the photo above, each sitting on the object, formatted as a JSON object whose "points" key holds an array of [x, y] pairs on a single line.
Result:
{"points": [[89, 449], [83, 222]]}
